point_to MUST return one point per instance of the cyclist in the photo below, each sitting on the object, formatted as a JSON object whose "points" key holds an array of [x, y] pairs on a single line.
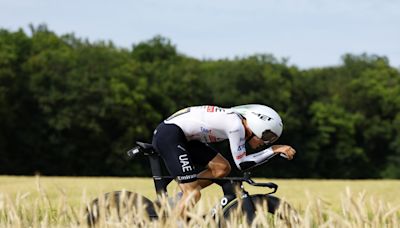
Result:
{"points": [[182, 142]]}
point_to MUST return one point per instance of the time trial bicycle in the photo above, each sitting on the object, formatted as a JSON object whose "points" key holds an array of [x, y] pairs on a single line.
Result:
{"points": [[236, 200]]}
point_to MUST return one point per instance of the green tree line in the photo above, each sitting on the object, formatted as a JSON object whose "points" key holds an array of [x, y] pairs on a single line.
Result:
{"points": [[69, 106]]}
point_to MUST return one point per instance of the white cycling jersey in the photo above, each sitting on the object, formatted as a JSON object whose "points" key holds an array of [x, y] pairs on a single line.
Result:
{"points": [[210, 124]]}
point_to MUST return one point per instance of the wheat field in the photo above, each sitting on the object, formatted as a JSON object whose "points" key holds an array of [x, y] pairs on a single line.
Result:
{"points": [[38, 201]]}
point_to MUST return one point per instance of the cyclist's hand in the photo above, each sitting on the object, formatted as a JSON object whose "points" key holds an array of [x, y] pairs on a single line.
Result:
{"points": [[286, 151]]}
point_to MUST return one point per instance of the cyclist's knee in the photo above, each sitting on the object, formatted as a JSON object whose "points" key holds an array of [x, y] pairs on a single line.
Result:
{"points": [[227, 169], [219, 166], [223, 170]]}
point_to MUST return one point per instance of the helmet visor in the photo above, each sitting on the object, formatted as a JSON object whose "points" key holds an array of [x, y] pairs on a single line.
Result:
{"points": [[269, 137]]}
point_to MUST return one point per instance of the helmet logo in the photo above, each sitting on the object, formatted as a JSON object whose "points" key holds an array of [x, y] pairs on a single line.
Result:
{"points": [[263, 117]]}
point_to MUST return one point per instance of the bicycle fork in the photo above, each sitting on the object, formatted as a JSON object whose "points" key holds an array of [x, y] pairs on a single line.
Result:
{"points": [[248, 207], [230, 194]]}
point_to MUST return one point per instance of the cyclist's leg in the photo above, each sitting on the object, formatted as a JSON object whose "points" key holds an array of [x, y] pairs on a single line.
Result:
{"points": [[217, 167], [191, 195], [170, 142], [205, 156]]}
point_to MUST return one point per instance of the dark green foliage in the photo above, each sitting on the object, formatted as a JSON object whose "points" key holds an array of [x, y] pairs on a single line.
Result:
{"points": [[72, 107]]}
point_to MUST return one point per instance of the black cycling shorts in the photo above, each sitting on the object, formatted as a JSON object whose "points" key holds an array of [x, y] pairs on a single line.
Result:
{"points": [[182, 158]]}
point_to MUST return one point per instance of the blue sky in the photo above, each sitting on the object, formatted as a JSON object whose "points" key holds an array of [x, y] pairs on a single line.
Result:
{"points": [[311, 33]]}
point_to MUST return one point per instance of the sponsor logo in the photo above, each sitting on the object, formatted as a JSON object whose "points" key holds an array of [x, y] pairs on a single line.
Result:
{"points": [[205, 130], [240, 156], [242, 147], [258, 154], [224, 201], [181, 147], [185, 164], [263, 117], [215, 109], [187, 177]]}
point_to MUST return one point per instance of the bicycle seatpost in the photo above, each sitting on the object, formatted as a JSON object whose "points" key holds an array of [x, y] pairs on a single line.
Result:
{"points": [[160, 183]]}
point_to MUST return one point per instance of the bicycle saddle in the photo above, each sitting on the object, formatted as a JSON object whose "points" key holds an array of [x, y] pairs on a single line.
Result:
{"points": [[141, 148], [145, 146]]}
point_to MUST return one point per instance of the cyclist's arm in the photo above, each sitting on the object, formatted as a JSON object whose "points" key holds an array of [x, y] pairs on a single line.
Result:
{"points": [[252, 160], [236, 135]]}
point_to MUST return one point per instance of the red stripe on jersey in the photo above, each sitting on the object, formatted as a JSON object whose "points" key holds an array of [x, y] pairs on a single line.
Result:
{"points": [[212, 138], [240, 156], [210, 108]]}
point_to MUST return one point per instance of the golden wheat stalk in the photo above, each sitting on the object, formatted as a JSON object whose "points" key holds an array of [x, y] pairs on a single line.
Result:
{"points": [[37, 210]]}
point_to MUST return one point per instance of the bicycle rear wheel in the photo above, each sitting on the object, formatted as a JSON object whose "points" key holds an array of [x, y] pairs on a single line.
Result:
{"points": [[119, 205]]}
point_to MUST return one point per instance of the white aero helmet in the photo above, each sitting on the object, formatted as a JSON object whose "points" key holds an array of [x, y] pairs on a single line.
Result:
{"points": [[262, 120]]}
